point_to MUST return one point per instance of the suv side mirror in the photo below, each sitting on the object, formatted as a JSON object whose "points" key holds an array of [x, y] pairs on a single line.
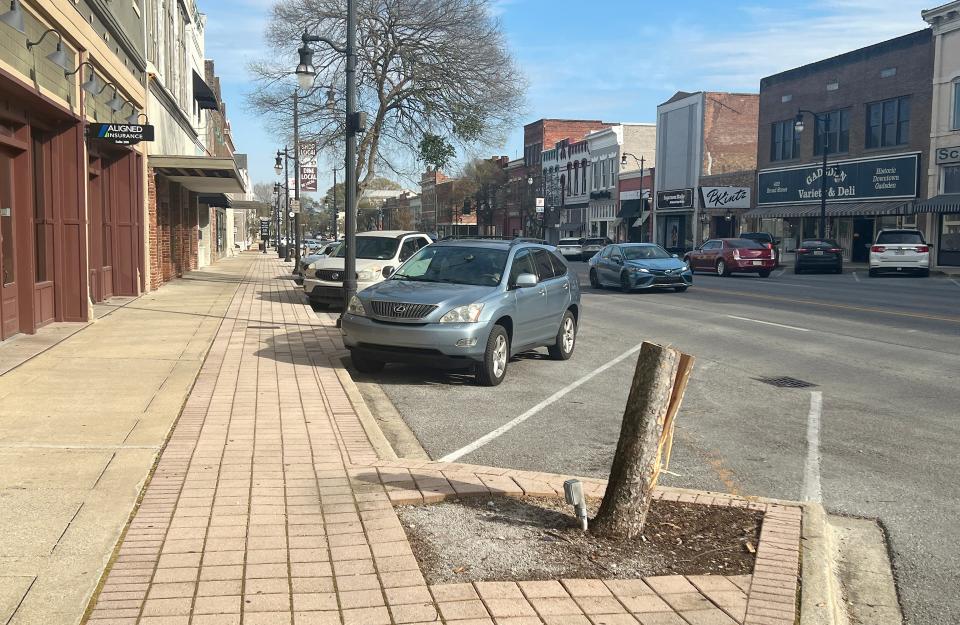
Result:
{"points": [[387, 271], [526, 280], [617, 259], [675, 255]]}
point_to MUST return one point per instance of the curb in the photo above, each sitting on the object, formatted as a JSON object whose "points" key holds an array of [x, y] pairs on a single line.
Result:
{"points": [[372, 429], [821, 597]]}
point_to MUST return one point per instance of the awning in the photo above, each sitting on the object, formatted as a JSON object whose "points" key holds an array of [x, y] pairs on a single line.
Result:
{"points": [[642, 219], [629, 208], [250, 205], [217, 200], [834, 209], [203, 94], [202, 174], [946, 203]]}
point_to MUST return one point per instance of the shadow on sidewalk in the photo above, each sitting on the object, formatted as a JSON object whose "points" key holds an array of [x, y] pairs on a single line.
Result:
{"points": [[296, 347]]}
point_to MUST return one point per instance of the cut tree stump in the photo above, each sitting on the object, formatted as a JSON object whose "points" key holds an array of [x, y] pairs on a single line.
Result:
{"points": [[645, 435]]}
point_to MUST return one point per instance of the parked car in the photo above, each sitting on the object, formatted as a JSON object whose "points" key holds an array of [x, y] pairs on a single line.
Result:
{"points": [[767, 239], [309, 263], [900, 251], [726, 256], [466, 304], [639, 266], [591, 246], [379, 253], [571, 249], [818, 254]]}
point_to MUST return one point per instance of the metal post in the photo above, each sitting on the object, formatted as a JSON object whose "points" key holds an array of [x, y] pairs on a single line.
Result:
{"points": [[286, 201], [336, 215], [823, 179], [640, 214], [350, 184], [296, 177]]}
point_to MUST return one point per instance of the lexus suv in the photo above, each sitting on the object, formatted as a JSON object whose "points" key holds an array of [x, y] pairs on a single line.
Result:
{"points": [[466, 304], [379, 253]]}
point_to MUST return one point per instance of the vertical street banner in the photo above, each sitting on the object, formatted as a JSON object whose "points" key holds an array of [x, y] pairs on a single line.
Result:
{"points": [[308, 165]]}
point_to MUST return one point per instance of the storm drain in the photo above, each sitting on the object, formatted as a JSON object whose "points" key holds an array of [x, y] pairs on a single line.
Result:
{"points": [[786, 382]]}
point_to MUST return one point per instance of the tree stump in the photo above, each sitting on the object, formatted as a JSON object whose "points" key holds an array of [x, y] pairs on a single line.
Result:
{"points": [[626, 501]]}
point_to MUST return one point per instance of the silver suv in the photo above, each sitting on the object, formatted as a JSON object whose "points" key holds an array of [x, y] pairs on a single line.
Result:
{"points": [[466, 304]]}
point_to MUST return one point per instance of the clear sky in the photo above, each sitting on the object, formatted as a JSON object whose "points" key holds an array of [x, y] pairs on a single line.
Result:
{"points": [[607, 59]]}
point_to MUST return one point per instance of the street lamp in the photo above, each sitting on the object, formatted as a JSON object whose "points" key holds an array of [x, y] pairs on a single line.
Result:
{"points": [[293, 239], [820, 122], [355, 123], [640, 161]]}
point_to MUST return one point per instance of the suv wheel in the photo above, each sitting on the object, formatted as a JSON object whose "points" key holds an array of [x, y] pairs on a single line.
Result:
{"points": [[625, 284], [365, 364], [594, 281], [566, 338], [492, 370], [722, 268]]}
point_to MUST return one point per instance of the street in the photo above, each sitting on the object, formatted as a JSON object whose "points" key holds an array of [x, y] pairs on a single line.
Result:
{"points": [[880, 355]]}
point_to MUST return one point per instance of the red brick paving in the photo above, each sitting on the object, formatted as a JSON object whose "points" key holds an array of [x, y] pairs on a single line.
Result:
{"points": [[269, 506]]}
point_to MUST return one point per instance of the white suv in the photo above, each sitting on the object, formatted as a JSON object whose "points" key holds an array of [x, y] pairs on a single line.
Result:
{"points": [[900, 251], [379, 253]]}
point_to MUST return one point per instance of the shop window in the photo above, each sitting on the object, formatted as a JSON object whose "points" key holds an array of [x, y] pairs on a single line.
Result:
{"points": [[888, 123], [833, 130], [956, 105], [784, 141], [951, 179]]}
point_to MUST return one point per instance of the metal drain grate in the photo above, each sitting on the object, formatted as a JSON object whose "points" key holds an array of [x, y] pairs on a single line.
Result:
{"points": [[786, 382]]}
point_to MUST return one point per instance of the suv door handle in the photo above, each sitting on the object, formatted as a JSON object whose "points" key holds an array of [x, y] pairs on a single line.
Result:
{"points": [[543, 291], [566, 286]]}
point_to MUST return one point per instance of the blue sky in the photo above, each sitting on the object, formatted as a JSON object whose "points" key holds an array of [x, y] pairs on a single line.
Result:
{"points": [[615, 63]]}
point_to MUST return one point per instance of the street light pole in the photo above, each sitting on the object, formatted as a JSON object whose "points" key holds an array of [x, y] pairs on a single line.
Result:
{"points": [[296, 177], [641, 161], [336, 214], [822, 122]]}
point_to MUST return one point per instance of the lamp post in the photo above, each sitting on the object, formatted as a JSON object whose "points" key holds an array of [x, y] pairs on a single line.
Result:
{"points": [[282, 166], [277, 212], [821, 121], [532, 219], [355, 123], [642, 162]]}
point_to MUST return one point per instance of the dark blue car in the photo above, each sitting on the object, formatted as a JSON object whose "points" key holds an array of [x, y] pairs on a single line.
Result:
{"points": [[639, 266]]}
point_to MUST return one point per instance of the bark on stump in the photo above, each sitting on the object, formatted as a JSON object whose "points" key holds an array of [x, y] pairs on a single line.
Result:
{"points": [[626, 501]]}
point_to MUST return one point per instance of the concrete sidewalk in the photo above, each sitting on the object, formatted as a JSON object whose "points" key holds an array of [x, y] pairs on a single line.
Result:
{"points": [[84, 413], [269, 506]]}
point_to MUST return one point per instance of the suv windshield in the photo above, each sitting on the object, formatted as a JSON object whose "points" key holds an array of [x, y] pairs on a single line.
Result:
{"points": [[476, 266], [644, 252], [910, 238], [372, 248]]}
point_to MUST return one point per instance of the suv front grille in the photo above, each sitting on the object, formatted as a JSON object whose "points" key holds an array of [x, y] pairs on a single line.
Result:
{"points": [[330, 275], [401, 310]]}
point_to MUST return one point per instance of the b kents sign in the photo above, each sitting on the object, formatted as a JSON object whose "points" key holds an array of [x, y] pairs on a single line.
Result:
{"points": [[681, 198], [856, 180], [120, 134], [725, 197]]}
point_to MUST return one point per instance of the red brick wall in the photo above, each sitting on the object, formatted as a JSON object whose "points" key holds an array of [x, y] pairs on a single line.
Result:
{"points": [[153, 232], [730, 132], [172, 227]]}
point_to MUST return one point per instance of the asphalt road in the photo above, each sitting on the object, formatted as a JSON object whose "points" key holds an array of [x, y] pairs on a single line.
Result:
{"points": [[883, 353]]}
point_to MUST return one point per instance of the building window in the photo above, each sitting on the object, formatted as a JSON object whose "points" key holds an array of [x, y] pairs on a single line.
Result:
{"points": [[834, 130], [956, 105], [596, 175], [888, 123], [603, 174], [785, 141], [583, 173], [951, 179]]}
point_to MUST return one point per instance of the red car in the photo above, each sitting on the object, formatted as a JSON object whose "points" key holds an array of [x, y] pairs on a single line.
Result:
{"points": [[726, 256]]}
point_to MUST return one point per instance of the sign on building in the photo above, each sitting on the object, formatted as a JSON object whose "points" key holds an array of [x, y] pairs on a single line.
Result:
{"points": [[120, 134], [264, 228], [948, 155], [680, 198], [882, 178], [725, 197]]}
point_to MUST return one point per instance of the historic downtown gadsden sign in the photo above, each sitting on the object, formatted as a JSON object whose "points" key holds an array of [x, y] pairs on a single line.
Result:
{"points": [[120, 134], [880, 178]]}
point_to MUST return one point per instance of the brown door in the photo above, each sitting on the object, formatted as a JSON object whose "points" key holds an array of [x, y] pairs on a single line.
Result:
{"points": [[9, 307]]}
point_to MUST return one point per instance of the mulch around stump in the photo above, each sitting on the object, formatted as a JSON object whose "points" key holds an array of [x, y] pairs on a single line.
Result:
{"points": [[513, 539]]}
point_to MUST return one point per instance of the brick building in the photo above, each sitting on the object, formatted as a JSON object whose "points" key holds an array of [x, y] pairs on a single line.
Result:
{"points": [[698, 134], [428, 199], [875, 108]]}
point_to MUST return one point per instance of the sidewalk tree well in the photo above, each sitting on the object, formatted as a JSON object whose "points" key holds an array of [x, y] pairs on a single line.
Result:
{"points": [[425, 68], [656, 392]]}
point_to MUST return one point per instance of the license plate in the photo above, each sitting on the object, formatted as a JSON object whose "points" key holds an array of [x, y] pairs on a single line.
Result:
{"points": [[758, 262], [900, 252], [818, 253]]}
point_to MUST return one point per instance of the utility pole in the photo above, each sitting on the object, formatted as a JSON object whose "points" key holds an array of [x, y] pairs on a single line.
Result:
{"points": [[350, 190], [336, 214], [296, 176]]}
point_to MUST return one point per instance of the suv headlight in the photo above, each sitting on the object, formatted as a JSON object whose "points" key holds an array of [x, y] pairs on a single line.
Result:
{"points": [[463, 314], [640, 270], [355, 307], [368, 275]]}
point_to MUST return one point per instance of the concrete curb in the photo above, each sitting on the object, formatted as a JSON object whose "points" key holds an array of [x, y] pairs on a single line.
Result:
{"points": [[375, 435], [821, 597]]}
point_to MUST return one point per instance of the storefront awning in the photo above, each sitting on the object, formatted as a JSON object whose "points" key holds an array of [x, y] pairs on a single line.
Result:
{"points": [[250, 205], [629, 208], [202, 174], [835, 209], [642, 219], [218, 200], [203, 94], [946, 203]]}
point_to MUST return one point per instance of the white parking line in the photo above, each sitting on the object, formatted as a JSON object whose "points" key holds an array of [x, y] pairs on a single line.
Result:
{"points": [[509, 425], [954, 281], [780, 273], [811, 472], [768, 323], [856, 277]]}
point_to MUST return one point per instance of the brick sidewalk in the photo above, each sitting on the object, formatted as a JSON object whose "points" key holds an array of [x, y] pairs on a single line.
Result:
{"points": [[267, 507]]}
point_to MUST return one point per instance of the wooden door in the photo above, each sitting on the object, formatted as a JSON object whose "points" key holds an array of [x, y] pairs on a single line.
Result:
{"points": [[9, 304]]}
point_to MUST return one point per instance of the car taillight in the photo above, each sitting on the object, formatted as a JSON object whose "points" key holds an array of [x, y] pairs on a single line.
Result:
{"points": [[879, 249], [801, 250], [923, 249], [835, 250]]}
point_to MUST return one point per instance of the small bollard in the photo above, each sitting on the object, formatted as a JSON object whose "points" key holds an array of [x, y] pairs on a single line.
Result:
{"points": [[573, 493]]}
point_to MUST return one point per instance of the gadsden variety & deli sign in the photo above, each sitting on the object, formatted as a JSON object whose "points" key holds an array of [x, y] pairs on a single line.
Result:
{"points": [[889, 177]]}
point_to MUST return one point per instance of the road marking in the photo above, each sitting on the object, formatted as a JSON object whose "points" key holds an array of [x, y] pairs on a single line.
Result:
{"points": [[769, 323], [954, 281], [780, 273], [856, 277], [811, 472], [506, 427]]}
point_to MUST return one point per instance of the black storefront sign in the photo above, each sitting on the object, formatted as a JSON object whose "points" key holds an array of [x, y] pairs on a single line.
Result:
{"points": [[882, 178], [120, 134], [680, 198], [264, 229]]}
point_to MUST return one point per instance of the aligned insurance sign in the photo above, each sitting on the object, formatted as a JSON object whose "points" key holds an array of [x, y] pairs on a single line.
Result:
{"points": [[120, 134], [892, 177]]}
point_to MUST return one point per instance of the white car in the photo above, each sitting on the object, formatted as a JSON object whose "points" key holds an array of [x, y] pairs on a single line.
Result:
{"points": [[900, 251], [571, 249], [379, 253]]}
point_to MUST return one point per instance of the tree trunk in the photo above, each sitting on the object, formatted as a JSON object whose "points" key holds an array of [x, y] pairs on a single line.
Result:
{"points": [[626, 501]]}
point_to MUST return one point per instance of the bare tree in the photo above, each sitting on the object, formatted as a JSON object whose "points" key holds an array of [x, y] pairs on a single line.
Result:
{"points": [[425, 69], [486, 177]]}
